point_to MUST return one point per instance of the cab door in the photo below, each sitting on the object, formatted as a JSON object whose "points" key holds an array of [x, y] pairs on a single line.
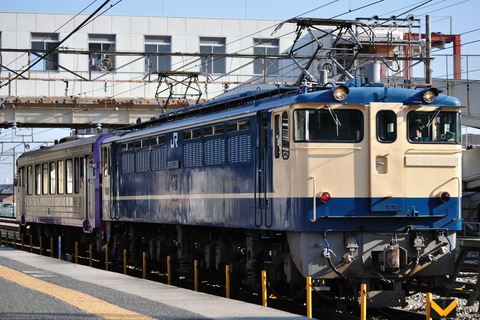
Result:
{"points": [[263, 165], [387, 139]]}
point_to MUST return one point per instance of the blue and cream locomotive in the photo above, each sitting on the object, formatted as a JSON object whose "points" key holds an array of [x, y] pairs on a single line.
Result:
{"points": [[345, 184]]}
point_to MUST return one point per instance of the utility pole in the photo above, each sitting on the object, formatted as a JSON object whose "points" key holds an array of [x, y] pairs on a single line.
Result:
{"points": [[428, 52]]}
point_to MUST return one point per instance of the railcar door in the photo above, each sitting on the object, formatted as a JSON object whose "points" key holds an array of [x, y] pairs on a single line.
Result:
{"points": [[263, 175], [387, 140]]}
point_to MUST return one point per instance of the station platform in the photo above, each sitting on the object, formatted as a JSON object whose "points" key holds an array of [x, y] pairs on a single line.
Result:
{"points": [[39, 287]]}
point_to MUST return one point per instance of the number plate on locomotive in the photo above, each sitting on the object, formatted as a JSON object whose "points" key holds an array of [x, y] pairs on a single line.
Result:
{"points": [[433, 161]]}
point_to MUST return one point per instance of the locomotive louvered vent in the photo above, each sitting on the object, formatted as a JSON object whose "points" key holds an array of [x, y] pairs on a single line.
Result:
{"points": [[159, 158], [214, 152], [128, 163], [192, 155], [142, 161], [239, 149]]}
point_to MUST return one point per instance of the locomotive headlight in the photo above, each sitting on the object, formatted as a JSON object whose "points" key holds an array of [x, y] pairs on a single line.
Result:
{"points": [[340, 93], [325, 197], [430, 95], [445, 196]]}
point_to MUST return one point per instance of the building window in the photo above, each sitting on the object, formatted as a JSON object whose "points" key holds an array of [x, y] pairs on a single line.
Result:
{"points": [[102, 42], [265, 65], [155, 63], [212, 64], [44, 41]]}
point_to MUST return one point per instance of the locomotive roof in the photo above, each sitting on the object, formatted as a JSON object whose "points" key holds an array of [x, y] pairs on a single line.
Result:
{"points": [[253, 101]]}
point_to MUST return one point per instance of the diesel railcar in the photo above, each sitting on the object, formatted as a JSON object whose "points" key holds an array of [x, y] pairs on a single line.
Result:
{"points": [[349, 184]]}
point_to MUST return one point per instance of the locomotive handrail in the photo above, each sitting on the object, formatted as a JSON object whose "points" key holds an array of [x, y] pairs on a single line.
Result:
{"points": [[314, 198], [339, 148], [436, 150], [459, 197]]}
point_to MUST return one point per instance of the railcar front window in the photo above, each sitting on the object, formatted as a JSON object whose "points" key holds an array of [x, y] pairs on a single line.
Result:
{"points": [[434, 127], [328, 125]]}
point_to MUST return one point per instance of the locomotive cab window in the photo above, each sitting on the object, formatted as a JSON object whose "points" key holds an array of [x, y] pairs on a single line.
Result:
{"points": [[433, 126], [328, 125], [386, 126]]}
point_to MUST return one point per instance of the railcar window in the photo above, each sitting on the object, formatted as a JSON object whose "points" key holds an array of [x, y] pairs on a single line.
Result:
{"points": [[53, 179], [45, 178], [105, 161], [69, 167], [324, 125], [76, 170], [433, 127], [38, 179], [386, 126], [60, 177], [29, 180]]}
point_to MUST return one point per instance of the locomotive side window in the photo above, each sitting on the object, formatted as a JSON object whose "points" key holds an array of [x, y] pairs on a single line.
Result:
{"points": [[328, 125], [386, 126], [213, 130], [53, 179], [234, 126], [60, 177], [433, 127], [29, 180], [192, 134]]}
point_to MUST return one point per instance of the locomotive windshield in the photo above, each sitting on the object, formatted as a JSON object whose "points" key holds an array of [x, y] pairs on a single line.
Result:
{"points": [[433, 127], [328, 125]]}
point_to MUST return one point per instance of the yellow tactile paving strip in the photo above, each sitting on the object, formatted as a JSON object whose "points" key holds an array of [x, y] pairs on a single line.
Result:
{"points": [[77, 299]]}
